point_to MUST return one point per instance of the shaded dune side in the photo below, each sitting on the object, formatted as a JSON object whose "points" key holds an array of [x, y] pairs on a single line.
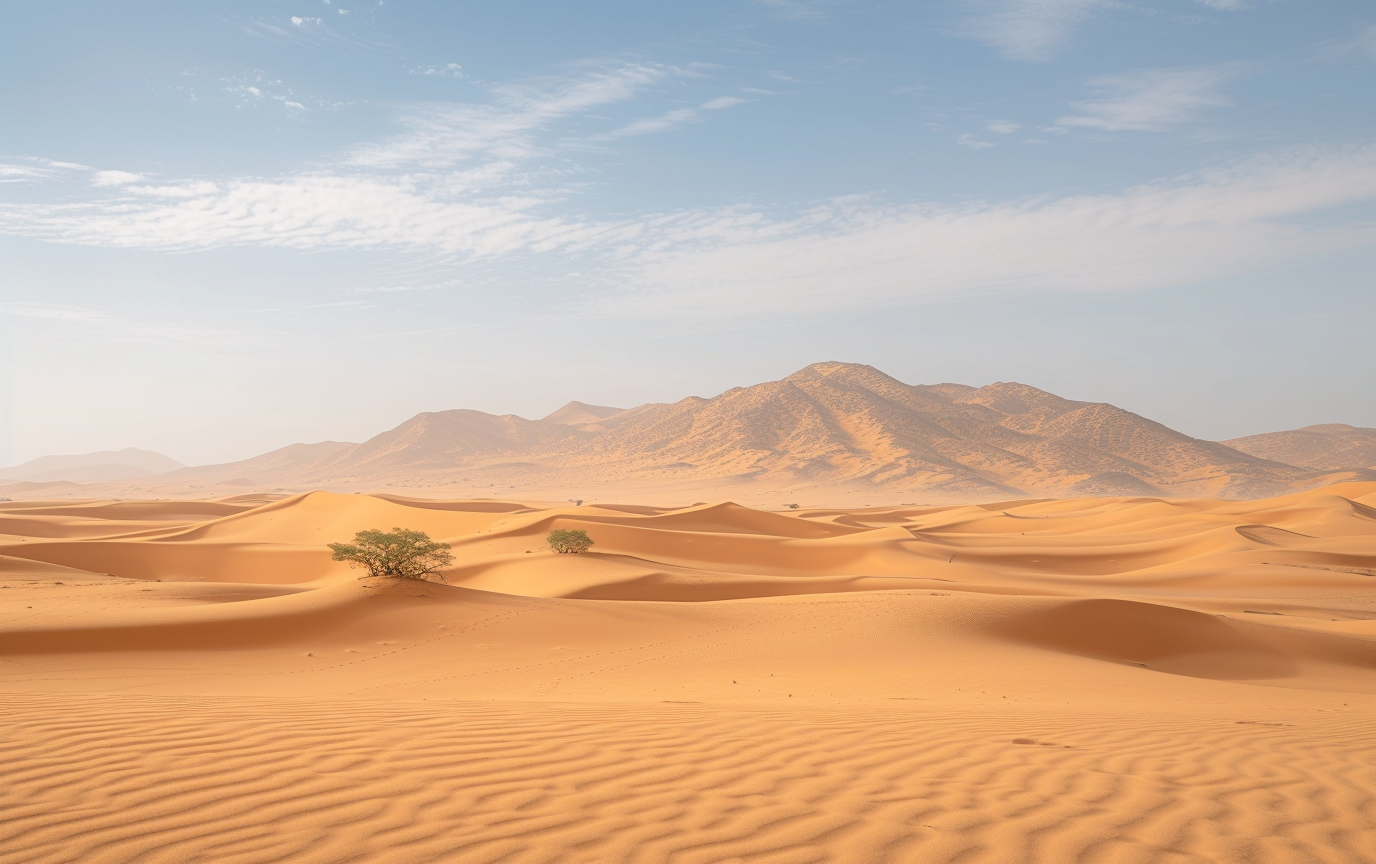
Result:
{"points": [[340, 613], [267, 563], [24, 568], [1165, 638], [268, 621], [1272, 536]]}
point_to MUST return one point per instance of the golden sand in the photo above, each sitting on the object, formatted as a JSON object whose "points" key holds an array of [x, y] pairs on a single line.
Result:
{"points": [[1093, 680]]}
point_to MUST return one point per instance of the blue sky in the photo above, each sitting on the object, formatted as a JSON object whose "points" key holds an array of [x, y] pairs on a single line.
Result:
{"points": [[225, 227]]}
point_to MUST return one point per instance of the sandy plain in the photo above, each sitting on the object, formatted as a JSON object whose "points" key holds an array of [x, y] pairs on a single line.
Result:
{"points": [[1090, 680]]}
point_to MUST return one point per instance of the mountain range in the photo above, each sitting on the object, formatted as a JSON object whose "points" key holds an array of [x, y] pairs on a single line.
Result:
{"points": [[104, 466], [827, 425]]}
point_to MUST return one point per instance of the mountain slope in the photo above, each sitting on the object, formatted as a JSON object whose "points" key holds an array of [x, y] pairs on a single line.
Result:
{"points": [[847, 422], [830, 423], [105, 465], [581, 414], [827, 426], [268, 468], [1326, 447]]}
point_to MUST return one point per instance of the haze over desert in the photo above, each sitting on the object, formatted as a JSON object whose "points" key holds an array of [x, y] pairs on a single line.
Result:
{"points": [[726, 432]]}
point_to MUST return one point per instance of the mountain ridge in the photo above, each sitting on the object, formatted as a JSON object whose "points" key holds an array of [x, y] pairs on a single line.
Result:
{"points": [[827, 425], [101, 466]]}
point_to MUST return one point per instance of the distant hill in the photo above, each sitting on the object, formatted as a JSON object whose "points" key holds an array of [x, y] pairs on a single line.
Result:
{"points": [[828, 423], [103, 466], [595, 418], [581, 414], [1326, 447], [267, 469]]}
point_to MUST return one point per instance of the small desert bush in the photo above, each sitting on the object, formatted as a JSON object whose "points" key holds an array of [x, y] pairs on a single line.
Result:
{"points": [[569, 541], [398, 554]]}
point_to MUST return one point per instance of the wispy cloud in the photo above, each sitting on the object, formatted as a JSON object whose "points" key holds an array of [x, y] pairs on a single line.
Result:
{"points": [[850, 253], [1152, 100], [1028, 29], [115, 178], [258, 87], [676, 117], [741, 262], [24, 173], [307, 212], [308, 32], [448, 183], [447, 70], [445, 187], [440, 135]]}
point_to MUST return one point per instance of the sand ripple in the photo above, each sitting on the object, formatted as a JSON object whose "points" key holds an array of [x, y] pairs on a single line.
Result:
{"points": [[150, 781]]}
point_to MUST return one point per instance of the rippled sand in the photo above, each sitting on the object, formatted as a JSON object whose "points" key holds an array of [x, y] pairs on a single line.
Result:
{"points": [[1110, 680]]}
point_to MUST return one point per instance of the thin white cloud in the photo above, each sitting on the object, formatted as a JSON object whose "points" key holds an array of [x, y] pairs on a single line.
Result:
{"points": [[667, 120], [844, 252], [256, 87], [444, 188], [114, 178], [1003, 127], [307, 212], [721, 102], [440, 135], [676, 117], [448, 70], [23, 173], [1031, 30], [1225, 5], [190, 189], [848, 253], [305, 31], [1152, 100]]}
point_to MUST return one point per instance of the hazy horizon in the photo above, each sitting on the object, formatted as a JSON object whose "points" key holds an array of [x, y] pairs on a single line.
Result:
{"points": [[225, 228]]}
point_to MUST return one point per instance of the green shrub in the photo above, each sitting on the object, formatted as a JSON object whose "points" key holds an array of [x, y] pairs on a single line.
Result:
{"points": [[569, 541], [398, 554]]}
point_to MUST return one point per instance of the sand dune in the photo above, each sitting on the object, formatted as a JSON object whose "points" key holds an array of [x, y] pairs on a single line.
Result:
{"points": [[1096, 680]]}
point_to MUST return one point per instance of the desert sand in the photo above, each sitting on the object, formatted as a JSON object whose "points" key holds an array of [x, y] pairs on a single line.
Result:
{"points": [[1089, 680]]}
